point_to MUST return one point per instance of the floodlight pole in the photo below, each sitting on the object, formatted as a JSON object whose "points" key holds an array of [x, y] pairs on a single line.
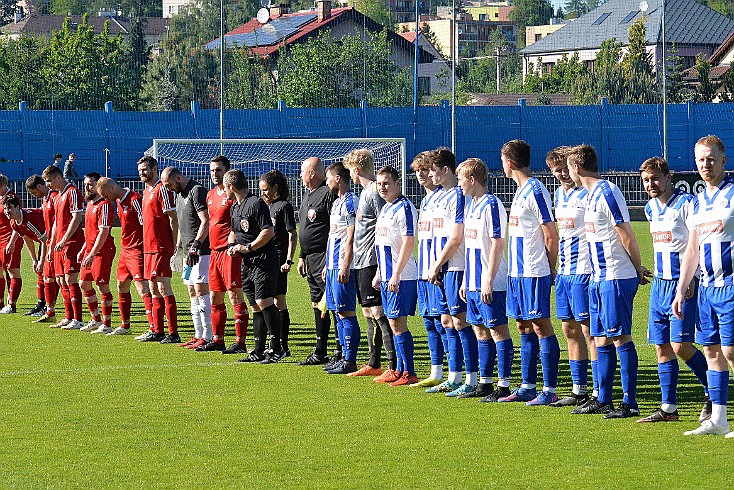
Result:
{"points": [[415, 79], [665, 90], [221, 69], [454, 49]]}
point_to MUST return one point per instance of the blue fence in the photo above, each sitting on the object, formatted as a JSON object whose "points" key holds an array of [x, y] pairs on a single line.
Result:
{"points": [[624, 135]]}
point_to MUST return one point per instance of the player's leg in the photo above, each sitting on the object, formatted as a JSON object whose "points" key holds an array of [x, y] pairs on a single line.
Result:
{"points": [[171, 310], [402, 304]]}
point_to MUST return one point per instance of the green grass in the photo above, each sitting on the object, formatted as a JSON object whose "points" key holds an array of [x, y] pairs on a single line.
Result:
{"points": [[85, 411]]}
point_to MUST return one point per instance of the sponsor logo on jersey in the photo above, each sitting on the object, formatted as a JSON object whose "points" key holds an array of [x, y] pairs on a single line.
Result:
{"points": [[590, 226], [470, 234], [438, 222], [513, 221], [662, 237], [273, 220], [245, 225], [566, 223], [710, 227], [381, 231], [424, 226], [311, 215], [333, 228]]}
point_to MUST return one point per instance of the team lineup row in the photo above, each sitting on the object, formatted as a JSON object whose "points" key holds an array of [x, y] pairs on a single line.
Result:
{"points": [[463, 283]]}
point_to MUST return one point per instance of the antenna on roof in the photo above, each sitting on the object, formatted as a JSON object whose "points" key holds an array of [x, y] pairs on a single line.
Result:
{"points": [[263, 15]]}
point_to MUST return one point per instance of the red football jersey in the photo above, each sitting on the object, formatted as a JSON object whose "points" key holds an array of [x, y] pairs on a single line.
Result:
{"points": [[31, 224], [99, 215], [48, 206], [157, 233], [130, 212], [5, 229], [68, 202], [219, 218]]}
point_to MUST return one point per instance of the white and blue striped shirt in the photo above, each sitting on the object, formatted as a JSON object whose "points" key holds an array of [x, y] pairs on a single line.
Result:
{"points": [[425, 233], [605, 210], [531, 207], [448, 210], [485, 219], [570, 207], [397, 219], [343, 215], [669, 232], [712, 216]]}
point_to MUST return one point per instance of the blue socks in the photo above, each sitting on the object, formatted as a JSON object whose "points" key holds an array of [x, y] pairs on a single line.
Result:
{"points": [[697, 364], [351, 337], [470, 349], [595, 375], [718, 386], [505, 355], [435, 343], [579, 372], [550, 356], [487, 358], [405, 349], [529, 349], [668, 374], [607, 367], [456, 354], [628, 371]]}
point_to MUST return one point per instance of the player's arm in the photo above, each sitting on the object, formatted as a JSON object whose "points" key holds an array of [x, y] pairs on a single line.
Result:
{"points": [[452, 245], [31, 250], [104, 232], [76, 221], [496, 250], [550, 237], [41, 255], [406, 251], [688, 267], [265, 235], [292, 241], [13, 240], [348, 256], [173, 219], [51, 243], [629, 242]]}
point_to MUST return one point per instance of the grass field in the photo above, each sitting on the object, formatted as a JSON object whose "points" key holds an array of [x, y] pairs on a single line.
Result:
{"points": [[97, 412]]}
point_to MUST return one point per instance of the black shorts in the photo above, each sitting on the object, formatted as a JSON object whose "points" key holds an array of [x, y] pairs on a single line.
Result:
{"points": [[259, 277], [315, 263], [366, 294]]}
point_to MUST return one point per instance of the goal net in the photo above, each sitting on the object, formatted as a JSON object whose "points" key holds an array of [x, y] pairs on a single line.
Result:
{"points": [[258, 156]]}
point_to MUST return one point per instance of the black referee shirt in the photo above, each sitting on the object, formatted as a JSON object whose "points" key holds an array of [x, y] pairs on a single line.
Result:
{"points": [[284, 220], [249, 218], [313, 219]]}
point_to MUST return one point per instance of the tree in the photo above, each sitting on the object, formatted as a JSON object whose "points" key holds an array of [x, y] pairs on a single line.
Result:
{"points": [[7, 11], [21, 61], [607, 79], [576, 8], [376, 10], [706, 88], [63, 7], [676, 88], [640, 81], [530, 13], [251, 84]]}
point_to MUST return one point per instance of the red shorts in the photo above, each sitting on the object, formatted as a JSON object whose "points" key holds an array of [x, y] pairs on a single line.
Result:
{"points": [[66, 261], [101, 267], [157, 265], [48, 266], [225, 272], [130, 265], [12, 260]]}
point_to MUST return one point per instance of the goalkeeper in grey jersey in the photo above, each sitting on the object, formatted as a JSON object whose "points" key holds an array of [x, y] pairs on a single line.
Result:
{"points": [[360, 164]]}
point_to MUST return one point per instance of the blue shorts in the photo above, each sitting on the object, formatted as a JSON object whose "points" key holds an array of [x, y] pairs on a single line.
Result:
{"points": [[490, 315], [341, 297], [401, 303], [662, 326], [717, 315], [528, 298], [424, 299], [447, 300], [610, 307], [572, 297]]}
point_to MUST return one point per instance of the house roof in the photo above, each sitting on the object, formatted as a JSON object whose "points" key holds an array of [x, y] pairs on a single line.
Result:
{"points": [[265, 39], [46, 24], [722, 50], [687, 22], [483, 99]]}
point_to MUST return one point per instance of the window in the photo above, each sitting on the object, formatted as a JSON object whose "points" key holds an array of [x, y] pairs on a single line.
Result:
{"points": [[483, 17], [629, 17], [538, 37], [601, 18], [496, 15], [424, 86]]}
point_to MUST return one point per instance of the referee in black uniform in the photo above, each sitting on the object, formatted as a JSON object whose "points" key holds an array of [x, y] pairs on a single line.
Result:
{"points": [[252, 237], [313, 234]]}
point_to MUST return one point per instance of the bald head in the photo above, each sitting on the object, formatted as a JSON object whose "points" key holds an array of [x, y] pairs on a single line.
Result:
{"points": [[312, 173], [109, 189], [173, 180]]}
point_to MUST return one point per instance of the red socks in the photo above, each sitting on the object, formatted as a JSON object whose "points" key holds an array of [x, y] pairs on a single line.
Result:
{"points": [[75, 298], [159, 311], [241, 320], [91, 299], [126, 303], [107, 308], [148, 302], [171, 314], [14, 289]]}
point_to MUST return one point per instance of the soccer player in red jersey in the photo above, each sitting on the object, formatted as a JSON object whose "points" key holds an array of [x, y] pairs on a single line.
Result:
{"points": [[160, 226], [130, 266], [46, 309], [28, 224], [67, 238], [96, 256], [9, 257], [225, 274]]}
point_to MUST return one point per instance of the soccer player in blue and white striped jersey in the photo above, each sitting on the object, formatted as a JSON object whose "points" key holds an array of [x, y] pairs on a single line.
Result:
{"points": [[710, 240], [341, 282], [428, 292], [485, 280], [397, 271], [447, 271], [617, 272], [532, 255], [572, 279], [667, 211]]}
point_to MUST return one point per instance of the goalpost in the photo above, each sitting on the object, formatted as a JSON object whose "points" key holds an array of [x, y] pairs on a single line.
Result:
{"points": [[257, 156]]}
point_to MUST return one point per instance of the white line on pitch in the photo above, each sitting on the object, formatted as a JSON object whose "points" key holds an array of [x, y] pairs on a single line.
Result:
{"points": [[8, 374]]}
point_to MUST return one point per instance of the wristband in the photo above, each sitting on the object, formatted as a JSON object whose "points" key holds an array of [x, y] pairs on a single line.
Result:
{"points": [[289, 262]]}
